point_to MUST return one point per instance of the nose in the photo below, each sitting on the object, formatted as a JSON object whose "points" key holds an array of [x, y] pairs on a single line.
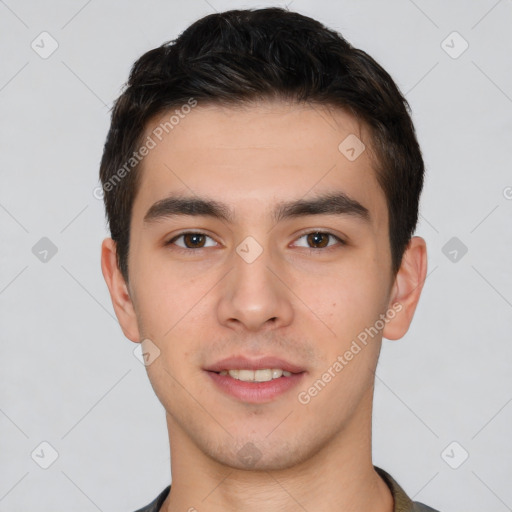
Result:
{"points": [[254, 295]]}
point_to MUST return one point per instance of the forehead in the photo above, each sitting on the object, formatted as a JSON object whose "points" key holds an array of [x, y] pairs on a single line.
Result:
{"points": [[252, 156]]}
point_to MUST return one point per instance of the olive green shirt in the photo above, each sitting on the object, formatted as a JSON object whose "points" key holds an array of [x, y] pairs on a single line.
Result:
{"points": [[402, 502]]}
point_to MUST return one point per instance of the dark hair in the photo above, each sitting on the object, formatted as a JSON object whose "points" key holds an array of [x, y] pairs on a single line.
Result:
{"points": [[240, 56]]}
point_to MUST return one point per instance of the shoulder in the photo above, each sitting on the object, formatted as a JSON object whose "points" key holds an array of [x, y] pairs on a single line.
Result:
{"points": [[155, 505], [402, 501], [420, 507]]}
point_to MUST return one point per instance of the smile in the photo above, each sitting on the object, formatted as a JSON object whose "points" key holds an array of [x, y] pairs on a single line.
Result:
{"points": [[256, 375], [244, 385]]}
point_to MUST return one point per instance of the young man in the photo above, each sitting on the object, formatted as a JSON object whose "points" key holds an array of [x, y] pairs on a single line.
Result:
{"points": [[262, 180]]}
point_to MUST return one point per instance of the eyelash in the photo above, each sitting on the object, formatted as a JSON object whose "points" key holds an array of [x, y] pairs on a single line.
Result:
{"points": [[311, 249]]}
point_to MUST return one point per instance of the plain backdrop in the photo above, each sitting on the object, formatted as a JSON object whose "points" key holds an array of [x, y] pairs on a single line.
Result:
{"points": [[69, 378]]}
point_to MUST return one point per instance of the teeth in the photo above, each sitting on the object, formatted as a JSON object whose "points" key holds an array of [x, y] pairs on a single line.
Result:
{"points": [[256, 375]]}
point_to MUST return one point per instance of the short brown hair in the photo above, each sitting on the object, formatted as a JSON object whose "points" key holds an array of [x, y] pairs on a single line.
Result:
{"points": [[240, 56]]}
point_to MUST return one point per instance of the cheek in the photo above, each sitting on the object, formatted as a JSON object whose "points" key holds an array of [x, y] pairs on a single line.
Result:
{"points": [[169, 302], [160, 296], [349, 297]]}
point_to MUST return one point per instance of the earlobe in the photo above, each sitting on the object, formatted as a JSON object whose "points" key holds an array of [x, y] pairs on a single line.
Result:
{"points": [[407, 289], [118, 289]]}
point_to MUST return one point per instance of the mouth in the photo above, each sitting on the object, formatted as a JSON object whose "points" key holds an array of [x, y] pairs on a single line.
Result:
{"points": [[255, 381], [260, 375]]}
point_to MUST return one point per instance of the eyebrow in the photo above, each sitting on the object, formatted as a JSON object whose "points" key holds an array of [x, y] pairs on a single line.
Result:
{"points": [[337, 203]]}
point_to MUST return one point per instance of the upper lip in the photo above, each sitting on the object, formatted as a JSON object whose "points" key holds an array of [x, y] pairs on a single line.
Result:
{"points": [[261, 363]]}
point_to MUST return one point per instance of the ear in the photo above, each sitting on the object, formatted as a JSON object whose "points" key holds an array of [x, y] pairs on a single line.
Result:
{"points": [[119, 294], [407, 289]]}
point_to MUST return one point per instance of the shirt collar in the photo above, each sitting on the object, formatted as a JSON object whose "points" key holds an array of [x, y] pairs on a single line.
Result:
{"points": [[402, 502]]}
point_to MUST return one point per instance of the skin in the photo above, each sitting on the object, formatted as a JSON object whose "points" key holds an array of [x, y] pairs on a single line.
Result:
{"points": [[292, 302]]}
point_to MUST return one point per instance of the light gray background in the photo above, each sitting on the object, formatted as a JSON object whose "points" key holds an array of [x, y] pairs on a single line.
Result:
{"points": [[69, 377]]}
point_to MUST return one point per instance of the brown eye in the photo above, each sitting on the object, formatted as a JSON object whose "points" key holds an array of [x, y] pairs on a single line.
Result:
{"points": [[191, 240], [320, 240]]}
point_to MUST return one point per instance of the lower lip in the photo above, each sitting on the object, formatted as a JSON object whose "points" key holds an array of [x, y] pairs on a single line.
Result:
{"points": [[255, 392]]}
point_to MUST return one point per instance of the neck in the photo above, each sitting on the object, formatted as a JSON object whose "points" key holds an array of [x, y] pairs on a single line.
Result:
{"points": [[340, 476]]}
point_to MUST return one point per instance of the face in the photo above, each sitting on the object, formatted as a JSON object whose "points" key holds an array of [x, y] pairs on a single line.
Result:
{"points": [[259, 276]]}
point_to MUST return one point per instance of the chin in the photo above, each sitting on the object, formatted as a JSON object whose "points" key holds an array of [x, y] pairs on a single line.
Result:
{"points": [[251, 454]]}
